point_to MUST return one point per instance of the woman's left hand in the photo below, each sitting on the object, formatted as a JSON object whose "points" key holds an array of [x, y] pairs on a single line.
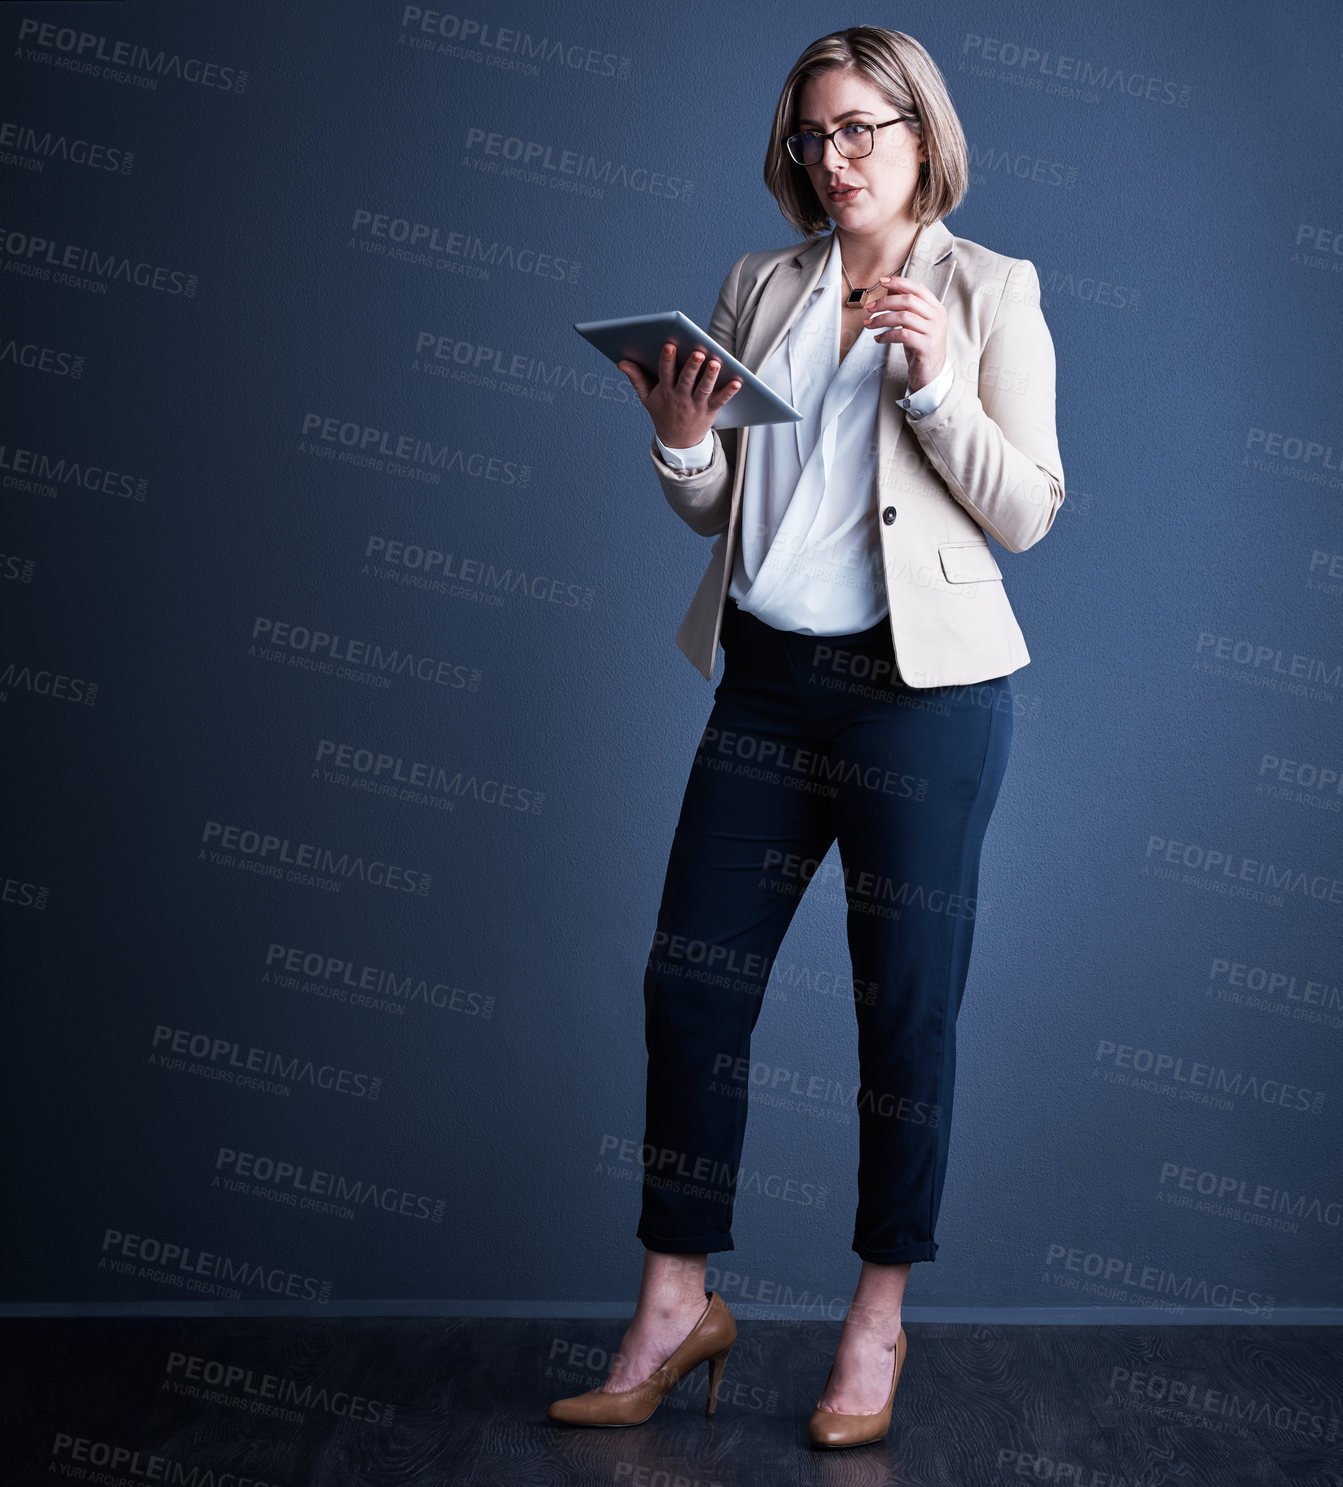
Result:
{"points": [[906, 310]]}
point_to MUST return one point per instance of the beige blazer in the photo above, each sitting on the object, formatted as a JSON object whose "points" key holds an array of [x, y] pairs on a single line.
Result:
{"points": [[985, 461]]}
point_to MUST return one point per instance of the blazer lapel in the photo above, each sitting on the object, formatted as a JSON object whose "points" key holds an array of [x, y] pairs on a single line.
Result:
{"points": [[932, 260], [778, 304], [781, 298]]}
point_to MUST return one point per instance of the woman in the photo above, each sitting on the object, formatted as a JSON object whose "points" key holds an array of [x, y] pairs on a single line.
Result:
{"points": [[866, 694]]}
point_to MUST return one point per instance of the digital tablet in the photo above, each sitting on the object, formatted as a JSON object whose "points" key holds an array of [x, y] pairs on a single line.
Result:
{"points": [[640, 339]]}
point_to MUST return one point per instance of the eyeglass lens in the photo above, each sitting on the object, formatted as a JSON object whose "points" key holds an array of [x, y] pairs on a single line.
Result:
{"points": [[852, 141]]}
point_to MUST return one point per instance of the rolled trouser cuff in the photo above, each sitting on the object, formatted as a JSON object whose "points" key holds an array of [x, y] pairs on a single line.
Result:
{"points": [[696, 1244], [921, 1249]]}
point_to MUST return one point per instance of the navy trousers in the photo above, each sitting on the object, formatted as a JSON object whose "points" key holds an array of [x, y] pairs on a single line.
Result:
{"points": [[814, 739]]}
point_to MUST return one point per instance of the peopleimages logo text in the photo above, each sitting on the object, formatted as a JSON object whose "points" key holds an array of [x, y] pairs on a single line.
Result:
{"points": [[532, 154], [509, 48], [389, 659], [92, 52], [267, 848], [24, 469], [40, 144], [292, 1068], [177, 1260], [36, 256], [369, 446]]}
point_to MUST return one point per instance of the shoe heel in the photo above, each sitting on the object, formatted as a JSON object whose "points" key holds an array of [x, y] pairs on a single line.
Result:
{"points": [[716, 1363]]}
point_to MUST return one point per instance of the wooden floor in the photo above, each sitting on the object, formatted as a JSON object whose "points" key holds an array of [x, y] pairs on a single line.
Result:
{"points": [[304, 1403]]}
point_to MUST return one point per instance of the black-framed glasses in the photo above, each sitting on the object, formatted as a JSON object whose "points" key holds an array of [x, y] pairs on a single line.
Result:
{"points": [[853, 141]]}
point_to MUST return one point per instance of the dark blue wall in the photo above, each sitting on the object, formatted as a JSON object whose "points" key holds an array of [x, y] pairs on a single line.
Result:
{"points": [[282, 315]]}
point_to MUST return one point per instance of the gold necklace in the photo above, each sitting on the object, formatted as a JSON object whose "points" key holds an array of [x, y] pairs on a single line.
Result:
{"points": [[857, 298]]}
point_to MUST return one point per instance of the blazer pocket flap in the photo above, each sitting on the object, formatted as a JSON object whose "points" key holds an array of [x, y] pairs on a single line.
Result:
{"points": [[968, 562]]}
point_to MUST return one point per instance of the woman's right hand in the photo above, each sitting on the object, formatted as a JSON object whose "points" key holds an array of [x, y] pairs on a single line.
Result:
{"points": [[682, 407]]}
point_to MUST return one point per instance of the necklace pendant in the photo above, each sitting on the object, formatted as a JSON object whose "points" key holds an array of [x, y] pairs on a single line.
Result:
{"points": [[855, 298]]}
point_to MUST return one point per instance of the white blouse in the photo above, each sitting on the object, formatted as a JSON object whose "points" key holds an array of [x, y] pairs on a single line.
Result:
{"points": [[809, 555]]}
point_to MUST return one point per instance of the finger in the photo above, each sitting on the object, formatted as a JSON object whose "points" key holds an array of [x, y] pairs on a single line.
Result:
{"points": [[910, 315], [636, 375], [693, 362], [724, 393], [915, 304], [898, 284], [906, 331], [708, 377], [667, 364], [900, 298]]}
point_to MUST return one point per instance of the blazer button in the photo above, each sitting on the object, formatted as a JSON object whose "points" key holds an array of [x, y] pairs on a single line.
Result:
{"points": [[888, 516]]}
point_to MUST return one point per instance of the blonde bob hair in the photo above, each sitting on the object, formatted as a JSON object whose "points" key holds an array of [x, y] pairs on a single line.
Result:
{"points": [[908, 78]]}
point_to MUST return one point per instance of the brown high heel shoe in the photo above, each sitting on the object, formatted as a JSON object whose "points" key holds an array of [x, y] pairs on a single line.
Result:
{"points": [[830, 1428], [709, 1340]]}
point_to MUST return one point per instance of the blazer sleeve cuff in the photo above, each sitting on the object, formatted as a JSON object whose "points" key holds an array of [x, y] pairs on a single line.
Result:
{"points": [[929, 397], [701, 498], [697, 457]]}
